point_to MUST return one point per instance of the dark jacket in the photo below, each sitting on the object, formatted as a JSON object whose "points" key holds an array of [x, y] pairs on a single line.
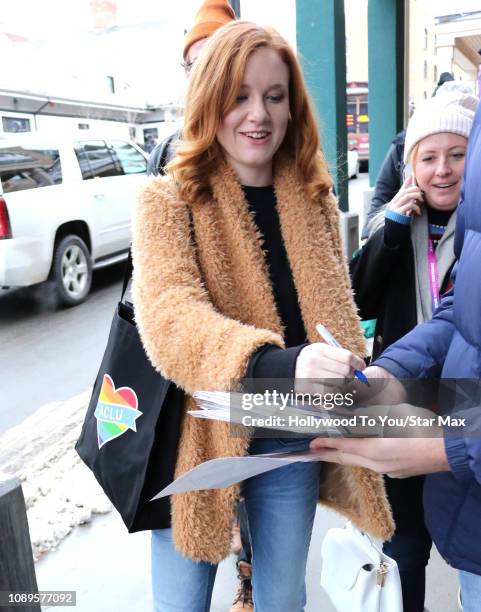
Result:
{"points": [[383, 280], [162, 154], [450, 345], [388, 181]]}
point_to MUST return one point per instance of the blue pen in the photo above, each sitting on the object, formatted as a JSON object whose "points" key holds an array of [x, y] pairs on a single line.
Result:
{"points": [[329, 338]]}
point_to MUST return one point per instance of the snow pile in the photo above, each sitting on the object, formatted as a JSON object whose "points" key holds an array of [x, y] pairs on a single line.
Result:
{"points": [[60, 492]]}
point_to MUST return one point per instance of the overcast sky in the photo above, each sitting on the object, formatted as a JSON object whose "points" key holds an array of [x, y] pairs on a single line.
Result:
{"points": [[145, 49]]}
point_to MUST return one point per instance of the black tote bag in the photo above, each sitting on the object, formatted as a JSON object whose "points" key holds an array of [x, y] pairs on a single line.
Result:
{"points": [[131, 430]]}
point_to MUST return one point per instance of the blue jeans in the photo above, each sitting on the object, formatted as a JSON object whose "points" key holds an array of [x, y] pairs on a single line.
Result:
{"points": [[470, 591], [280, 505]]}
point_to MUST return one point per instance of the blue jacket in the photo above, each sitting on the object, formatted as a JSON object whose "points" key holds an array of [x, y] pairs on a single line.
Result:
{"points": [[450, 346]]}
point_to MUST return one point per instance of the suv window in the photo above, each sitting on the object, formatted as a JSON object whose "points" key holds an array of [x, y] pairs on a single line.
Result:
{"points": [[25, 167], [130, 159], [96, 159]]}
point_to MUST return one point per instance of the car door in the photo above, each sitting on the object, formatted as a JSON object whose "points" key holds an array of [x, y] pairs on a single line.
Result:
{"points": [[101, 189], [133, 163]]}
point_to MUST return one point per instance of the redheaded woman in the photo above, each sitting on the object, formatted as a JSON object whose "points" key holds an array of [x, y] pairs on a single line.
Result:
{"points": [[237, 258]]}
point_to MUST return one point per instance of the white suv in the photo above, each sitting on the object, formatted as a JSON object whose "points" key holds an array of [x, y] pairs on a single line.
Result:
{"points": [[65, 209]]}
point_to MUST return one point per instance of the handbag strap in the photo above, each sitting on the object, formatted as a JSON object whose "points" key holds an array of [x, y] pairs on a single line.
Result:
{"points": [[129, 268]]}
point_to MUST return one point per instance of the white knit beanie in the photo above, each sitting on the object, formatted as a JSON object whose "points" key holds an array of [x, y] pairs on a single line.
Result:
{"points": [[451, 110]]}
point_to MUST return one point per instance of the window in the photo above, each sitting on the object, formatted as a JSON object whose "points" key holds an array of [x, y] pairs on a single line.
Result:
{"points": [[111, 84], [15, 124], [151, 132], [363, 118], [425, 69], [96, 160], [435, 74], [24, 167], [364, 127], [83, 126], [425, 39], [131, 161]]}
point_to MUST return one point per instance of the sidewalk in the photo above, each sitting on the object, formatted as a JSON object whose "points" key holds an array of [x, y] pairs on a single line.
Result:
{"points": [[110, 570]]}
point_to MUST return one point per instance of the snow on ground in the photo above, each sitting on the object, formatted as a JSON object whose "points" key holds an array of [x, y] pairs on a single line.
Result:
{"points": [[60, 491]]}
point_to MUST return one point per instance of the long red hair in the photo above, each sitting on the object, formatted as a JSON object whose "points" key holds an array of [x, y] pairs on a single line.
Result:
{"points": [[213, 87]]}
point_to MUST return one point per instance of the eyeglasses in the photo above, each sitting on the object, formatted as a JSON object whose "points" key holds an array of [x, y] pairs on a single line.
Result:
{"points": [[187, 66]]}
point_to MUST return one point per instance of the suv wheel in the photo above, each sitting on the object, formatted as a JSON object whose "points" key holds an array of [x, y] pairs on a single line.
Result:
{"points": [[71, 271]]}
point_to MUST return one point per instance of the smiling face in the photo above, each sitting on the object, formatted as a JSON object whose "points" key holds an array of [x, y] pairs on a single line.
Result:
{"points": [[439, 168], [252, 132]]}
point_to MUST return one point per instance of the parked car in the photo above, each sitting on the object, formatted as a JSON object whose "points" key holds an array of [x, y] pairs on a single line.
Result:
{"points": [[352, 164], [65, 210]]}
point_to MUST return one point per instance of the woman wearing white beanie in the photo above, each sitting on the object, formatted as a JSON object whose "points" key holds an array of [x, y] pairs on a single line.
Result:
{"points": [[400, 273]]}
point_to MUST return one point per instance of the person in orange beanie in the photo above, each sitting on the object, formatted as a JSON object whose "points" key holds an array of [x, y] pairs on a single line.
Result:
{"points": [[211, 16]]}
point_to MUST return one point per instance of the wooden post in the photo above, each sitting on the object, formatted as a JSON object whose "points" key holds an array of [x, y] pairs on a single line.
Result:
{"points": [[17, 571]]}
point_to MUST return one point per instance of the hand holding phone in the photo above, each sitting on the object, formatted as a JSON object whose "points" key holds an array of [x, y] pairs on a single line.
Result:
{"points": [[408, 199]]}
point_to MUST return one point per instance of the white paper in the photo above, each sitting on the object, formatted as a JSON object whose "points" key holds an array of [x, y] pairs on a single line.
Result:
{"points": [[226, 471], [227, 407]]}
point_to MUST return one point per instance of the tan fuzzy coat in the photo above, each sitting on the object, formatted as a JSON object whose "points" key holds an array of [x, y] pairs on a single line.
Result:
{"points": [[204, 309]]}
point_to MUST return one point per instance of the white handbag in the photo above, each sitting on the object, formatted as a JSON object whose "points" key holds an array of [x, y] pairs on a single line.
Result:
{"points": [[357, 575]]}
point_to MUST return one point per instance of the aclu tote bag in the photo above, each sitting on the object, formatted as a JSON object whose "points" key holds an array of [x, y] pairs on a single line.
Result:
{"points": [[131, 430]]}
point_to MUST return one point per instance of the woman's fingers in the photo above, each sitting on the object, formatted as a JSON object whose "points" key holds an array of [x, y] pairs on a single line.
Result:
{"points": [[406, 200], [414, 192], [409, 207], [405, 196], [336, 355], [320, 360], [408, 182]]}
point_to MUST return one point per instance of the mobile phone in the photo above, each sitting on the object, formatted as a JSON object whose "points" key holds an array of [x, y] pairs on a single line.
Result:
{"points": [[408, 172]]}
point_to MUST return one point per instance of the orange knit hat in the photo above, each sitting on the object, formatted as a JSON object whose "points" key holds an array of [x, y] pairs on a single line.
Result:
{"points": [[211, 16]]}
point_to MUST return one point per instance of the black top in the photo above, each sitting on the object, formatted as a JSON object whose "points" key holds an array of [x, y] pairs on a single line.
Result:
{"points": [[437, 222], [439, 217], [262, 202], [271, 361]]}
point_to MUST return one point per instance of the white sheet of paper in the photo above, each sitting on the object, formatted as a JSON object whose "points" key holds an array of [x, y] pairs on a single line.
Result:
{"points": [[226, 471]]}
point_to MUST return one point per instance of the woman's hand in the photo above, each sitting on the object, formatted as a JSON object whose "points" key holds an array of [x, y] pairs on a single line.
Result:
{"points": [[406, 201], [320, 360]]}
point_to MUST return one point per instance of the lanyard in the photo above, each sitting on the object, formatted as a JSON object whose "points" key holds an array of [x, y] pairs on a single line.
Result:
{"points": [[433, 275]]}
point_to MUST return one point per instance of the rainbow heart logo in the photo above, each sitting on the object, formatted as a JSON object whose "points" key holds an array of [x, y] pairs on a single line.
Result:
{"points": [[116, 411]]}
